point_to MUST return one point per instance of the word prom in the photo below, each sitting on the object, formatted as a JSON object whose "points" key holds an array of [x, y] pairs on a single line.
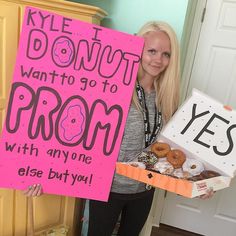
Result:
{"points": [[74, 123]]}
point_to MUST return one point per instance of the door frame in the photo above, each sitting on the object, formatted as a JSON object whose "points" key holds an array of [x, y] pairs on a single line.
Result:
{"points": [[189, 42], [192, 28]]}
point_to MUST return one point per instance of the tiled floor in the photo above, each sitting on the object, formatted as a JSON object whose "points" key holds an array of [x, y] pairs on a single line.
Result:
{"points": [[165, 230]]}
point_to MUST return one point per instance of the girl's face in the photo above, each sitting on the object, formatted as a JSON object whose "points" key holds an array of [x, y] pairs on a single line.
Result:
{"points": [[156, 53]]}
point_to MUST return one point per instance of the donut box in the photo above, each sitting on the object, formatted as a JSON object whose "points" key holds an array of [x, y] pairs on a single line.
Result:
{"points": [[205, 131]]}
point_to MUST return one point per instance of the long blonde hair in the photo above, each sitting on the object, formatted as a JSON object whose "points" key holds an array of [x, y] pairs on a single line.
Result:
{"points": [[167, 83]]}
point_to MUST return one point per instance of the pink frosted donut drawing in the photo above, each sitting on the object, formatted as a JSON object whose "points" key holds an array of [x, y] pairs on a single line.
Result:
{"points": [[72, 124], [63, 51]]}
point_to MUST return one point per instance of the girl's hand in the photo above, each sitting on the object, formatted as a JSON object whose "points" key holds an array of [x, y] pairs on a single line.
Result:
{"points": [[33, 190], [207, 195]]}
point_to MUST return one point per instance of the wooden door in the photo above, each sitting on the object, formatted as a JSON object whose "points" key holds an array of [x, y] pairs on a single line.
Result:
{"points": [[8, 47], [213, 72], [49, 211], [6, 212]]}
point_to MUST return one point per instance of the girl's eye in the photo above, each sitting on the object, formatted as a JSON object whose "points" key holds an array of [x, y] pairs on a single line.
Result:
{"points": [[166, 54], [152, 51]]}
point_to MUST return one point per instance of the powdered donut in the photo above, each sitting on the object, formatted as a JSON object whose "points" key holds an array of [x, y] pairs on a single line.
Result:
{"points": [[176, 158], [137, 164], [179, 173], [193, 166], [164, 167], [160, 149]]}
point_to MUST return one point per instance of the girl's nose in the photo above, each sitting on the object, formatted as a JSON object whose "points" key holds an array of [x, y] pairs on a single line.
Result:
{"points": [[158, 57]]}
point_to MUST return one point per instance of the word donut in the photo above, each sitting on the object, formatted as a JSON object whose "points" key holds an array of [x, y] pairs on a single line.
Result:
{"points": [[176, 158], [160, 149]]}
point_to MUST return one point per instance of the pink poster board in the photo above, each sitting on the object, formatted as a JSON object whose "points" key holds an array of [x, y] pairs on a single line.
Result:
{"points": [[70, 95]]}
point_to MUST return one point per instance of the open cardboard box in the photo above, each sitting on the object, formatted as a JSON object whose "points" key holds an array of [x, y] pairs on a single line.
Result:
{"points": [[203, 129]]}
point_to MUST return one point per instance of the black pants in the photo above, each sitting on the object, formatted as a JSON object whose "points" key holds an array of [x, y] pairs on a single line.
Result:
{"points": [[134, 210]]}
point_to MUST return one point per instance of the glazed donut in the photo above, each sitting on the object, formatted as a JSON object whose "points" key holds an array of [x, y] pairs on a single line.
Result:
{"points": [[164, 167], [193, 166], [160, 149], [176, 158], [148, 158]]}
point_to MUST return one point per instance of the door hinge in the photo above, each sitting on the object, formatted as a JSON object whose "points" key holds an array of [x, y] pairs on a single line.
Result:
{"points": [[203, 14], [165, 194]]}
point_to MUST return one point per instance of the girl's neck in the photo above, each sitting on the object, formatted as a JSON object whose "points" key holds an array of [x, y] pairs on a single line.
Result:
{"points": [[147, 84]]}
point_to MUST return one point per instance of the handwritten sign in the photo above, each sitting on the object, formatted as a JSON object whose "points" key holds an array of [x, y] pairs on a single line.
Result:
{"points": [[205, 130], [67, 109]]}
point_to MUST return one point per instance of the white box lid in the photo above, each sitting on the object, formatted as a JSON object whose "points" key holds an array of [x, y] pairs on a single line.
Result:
{"points": [[205, 128]]}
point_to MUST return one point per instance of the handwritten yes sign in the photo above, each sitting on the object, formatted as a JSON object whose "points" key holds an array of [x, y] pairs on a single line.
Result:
{"points": [[70, 97], [205, 130]]}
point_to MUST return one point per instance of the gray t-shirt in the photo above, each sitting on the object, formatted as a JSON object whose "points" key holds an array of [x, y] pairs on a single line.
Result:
{"points": [[132, 144]]}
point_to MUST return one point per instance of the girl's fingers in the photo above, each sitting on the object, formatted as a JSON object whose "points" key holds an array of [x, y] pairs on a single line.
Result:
{"points": [[36, 190], [33, 190], [208, 194]]}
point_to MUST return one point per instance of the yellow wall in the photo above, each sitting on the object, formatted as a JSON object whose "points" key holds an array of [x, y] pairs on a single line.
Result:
{"points": [[49, 211]]}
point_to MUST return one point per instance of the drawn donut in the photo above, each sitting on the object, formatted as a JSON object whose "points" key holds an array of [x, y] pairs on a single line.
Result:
{"points": [[72, 124]]}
